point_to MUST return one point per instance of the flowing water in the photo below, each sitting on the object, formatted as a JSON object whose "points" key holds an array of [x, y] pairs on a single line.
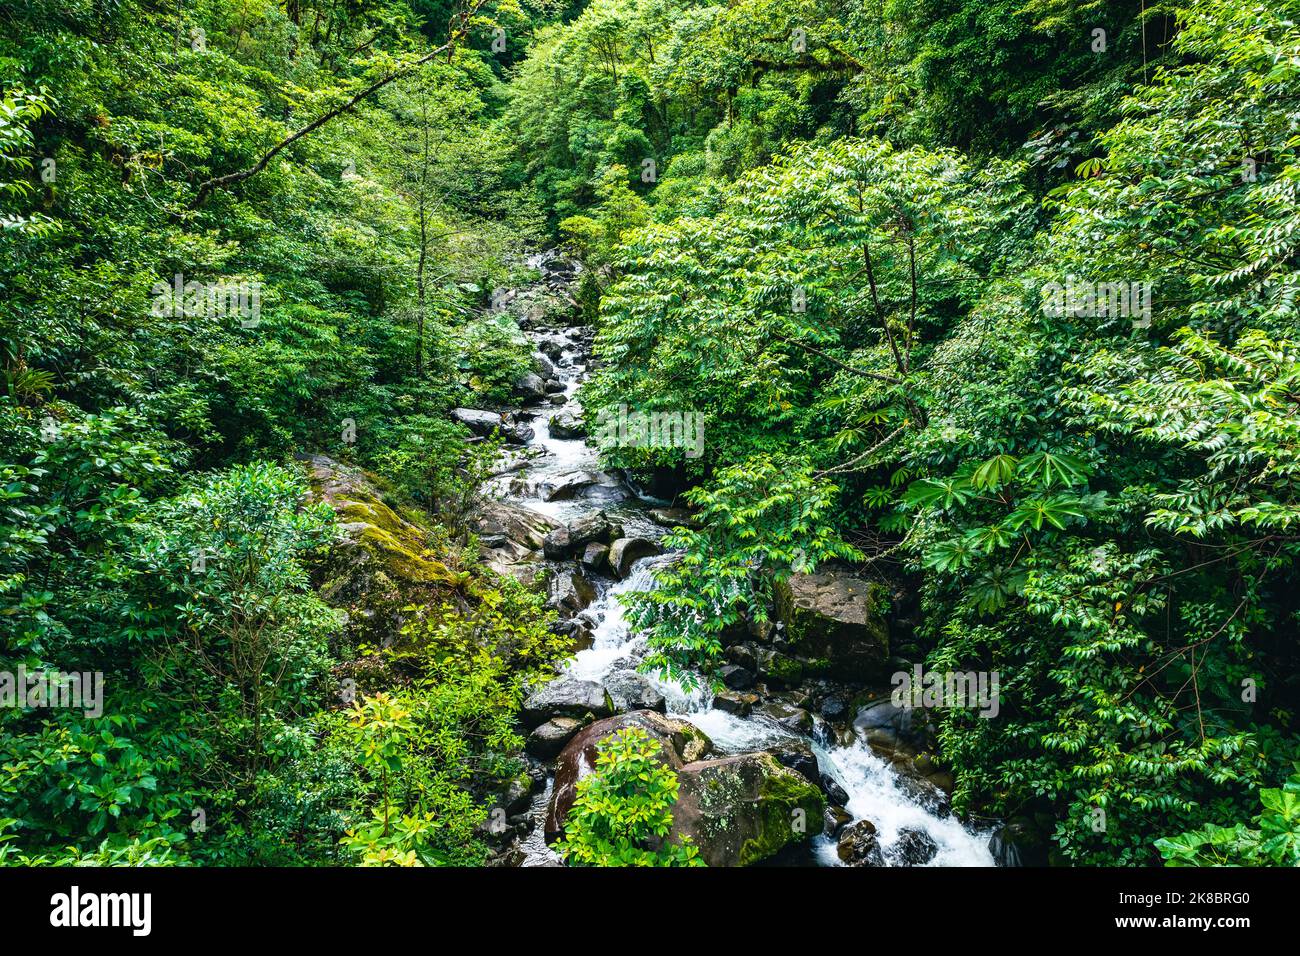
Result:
{"points": [[874, 788]]}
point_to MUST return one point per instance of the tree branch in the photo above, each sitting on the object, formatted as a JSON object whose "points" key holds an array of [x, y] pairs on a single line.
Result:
{"points": [[230, 179]]}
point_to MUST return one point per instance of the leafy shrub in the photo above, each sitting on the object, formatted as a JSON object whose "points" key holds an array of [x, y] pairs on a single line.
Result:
{"points": [[622, 810]]}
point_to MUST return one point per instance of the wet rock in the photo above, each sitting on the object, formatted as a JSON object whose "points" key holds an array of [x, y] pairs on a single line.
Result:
{"points": [[518, 794], [530, 388], [548, 739], [570, 591], [835, 819], [831, 787], [595, 558], [1020, 842], [484, 423], [833, 617], [565, 697], [792, 718], [835, 707], [554, 387], [858, 845], [888, 727], [566, 425], [778, 669], [672, 517], [679, 742], [914, 847], [923, 792], [735, 702], [521, 525], [577, 534], [632, 691], [544, 365], [743, 655], [742, 809], [735, 677], [566, 486], [797, 755], [626, 552]]}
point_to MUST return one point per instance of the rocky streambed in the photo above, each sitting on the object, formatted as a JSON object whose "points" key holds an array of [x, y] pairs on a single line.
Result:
{"points": [[798, 761]]}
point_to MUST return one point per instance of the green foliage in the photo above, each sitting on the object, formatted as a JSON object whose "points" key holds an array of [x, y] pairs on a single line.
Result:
{"points": [[1274, 840], [759, 522], [622, 811]]}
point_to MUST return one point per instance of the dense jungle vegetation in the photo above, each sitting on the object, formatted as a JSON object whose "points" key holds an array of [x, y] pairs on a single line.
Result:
{"points": [[834, 228]]}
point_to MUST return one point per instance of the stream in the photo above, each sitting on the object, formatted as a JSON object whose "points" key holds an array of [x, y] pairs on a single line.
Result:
{"points": [[875, 790]]}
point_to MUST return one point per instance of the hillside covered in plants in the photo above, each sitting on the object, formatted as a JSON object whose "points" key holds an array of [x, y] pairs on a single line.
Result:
{"points": [[531, 432]]}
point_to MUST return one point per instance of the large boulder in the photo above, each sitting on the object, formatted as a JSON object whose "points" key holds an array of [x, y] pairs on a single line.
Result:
{"points": [[742, 809], [796, 754], [565, 697], [626, 552], [680, 743], [483, 423], [530, 387], [566, 486], [566, 425], [889, 728], [521, 525], [383, 565], [632, 691], [577, 534], [570, 592], [831, 618], [548, 739]]}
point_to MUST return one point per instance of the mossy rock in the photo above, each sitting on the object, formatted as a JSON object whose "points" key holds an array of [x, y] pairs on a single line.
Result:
{"points": [[740, 810], [833, 618], [383, 564]]}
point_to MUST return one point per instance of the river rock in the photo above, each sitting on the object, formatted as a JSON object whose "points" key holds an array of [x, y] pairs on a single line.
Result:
{"points": [[735, 702], [1020, 842], [831, 787], [736, 677], [742, 809], [632, 691], [858, 845], [797, 755], [889, 728], [548, 739], [384, 562], [595, 558], [680, 743], [566, 486], [672, 517], [484, 423], [521, 525], [530, 388], [566, 425], [544, 365], [626, 552], [788, 716], [570, 591], [832, 617], [579, 533], [835, 819], [565, 697], [914, 847]]}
